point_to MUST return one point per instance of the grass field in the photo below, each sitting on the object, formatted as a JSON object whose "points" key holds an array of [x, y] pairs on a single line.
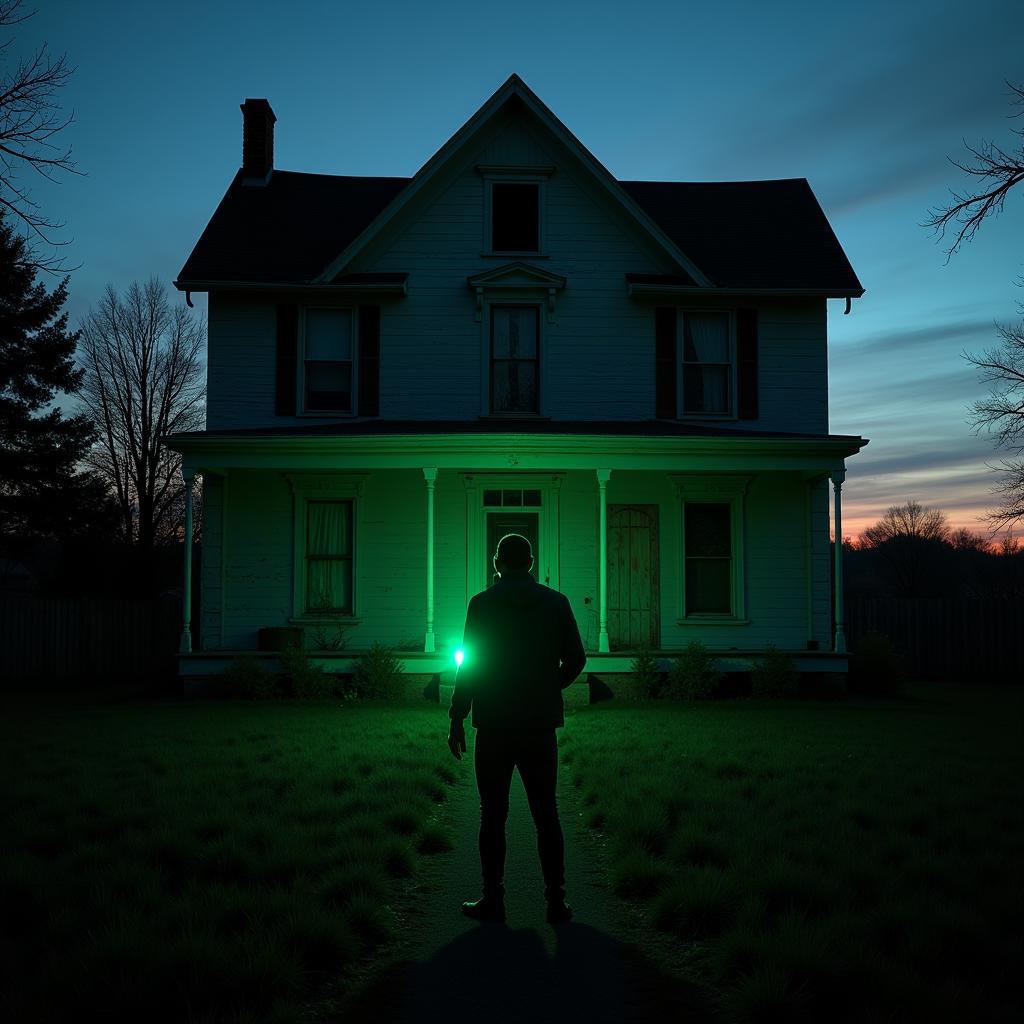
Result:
{"points": [[852, 862], [211, 862]]}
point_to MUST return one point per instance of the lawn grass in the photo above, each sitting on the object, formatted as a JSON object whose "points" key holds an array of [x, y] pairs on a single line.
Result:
{"points": [[206, 862], [850, 862]]}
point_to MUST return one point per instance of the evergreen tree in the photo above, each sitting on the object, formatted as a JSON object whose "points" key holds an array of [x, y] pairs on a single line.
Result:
{"points": [[41, 493]]}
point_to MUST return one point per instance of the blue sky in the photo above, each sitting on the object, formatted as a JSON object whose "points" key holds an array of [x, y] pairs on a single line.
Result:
{"points": [[866, 101]]}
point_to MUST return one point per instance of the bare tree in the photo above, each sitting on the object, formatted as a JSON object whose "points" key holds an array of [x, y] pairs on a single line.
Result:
{"points": [[143, 380], [909, 520], [906, 539], [30, 122], [995, 171]]}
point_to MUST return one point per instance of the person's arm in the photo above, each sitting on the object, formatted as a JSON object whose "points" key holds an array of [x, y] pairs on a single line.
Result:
{"points": [[462, 695], [572, 654]]}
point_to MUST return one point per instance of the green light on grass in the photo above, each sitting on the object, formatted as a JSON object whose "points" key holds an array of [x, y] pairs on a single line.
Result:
{"points": [[460, 656]]}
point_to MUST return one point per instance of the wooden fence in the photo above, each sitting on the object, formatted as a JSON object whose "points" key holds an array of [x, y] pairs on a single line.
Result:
{"points": [[87, 637], [946, 638]]}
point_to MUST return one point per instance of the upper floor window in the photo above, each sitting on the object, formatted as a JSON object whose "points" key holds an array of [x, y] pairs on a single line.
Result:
{"points": [[515, 216], [515, 359], [707, 364], [327, 360]]}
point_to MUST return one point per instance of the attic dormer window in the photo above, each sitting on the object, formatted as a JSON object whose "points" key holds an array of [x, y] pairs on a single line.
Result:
{"points": [[514, 209], [515, 216]]}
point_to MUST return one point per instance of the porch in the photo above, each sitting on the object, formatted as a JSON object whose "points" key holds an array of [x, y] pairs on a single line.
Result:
{"points": [[577, 495]]}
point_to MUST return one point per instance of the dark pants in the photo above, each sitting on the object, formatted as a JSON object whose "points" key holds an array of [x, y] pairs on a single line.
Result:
{"points": [[535, 753]]}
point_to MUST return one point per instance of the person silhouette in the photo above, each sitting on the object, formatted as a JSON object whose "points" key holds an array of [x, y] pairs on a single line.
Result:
{"points": [[521, 649]]}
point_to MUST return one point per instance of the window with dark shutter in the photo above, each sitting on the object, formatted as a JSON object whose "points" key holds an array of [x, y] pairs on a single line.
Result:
{"points": [[287, 356], [746, 363], [665, 362], [369, 361]]}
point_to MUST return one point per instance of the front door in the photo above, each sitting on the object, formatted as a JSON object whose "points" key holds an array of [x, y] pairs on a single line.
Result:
{"points": [[633, 587], [505, 521]]}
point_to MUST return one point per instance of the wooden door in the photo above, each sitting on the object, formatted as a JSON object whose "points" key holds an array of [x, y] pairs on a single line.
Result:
{"points": [[633, 586]]}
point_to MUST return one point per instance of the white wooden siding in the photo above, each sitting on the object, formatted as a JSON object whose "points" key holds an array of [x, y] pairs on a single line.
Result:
{"points": [[598, 357], [391, 559]]}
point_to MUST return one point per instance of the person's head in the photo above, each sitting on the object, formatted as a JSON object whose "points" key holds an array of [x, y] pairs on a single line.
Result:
{"points": [[514, 553]]}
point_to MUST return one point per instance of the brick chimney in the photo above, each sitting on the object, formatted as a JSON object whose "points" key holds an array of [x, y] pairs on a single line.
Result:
{"points": [[257, 142]]}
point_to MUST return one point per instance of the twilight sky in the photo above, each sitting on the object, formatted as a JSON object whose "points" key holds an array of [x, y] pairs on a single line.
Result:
{"points": [[866, 101]]}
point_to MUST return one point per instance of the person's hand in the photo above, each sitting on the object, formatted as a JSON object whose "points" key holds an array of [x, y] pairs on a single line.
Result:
{"points": [[457, 739]]}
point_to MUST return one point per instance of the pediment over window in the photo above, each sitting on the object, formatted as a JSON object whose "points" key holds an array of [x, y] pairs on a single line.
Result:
{"points": [[516, 277]]}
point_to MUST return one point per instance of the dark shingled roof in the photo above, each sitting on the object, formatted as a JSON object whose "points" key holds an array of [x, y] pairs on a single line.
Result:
{"points": [[750, 234], [287, 231], [742, 234]]}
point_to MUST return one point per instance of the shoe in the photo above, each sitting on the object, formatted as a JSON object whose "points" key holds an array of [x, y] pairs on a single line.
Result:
{"points": [[559, 912], [485, 909]]}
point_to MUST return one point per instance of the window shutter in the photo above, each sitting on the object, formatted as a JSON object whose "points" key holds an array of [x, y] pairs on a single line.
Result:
{"points": [[287, 356], [369, 360], [665, 362], [746, 362]]}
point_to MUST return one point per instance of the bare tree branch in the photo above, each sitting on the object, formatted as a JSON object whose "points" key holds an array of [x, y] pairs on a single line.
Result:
{"points": [[996, 173], [31, 119]]}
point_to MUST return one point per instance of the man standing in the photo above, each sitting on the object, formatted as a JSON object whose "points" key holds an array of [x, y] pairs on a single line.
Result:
{"points": [[521, 648]]}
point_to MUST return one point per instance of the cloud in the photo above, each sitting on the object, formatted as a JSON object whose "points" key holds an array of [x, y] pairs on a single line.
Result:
{"points": [[910, 339]]}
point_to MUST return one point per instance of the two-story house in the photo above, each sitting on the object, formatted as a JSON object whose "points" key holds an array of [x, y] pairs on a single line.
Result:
{"points": [[633, 374]]}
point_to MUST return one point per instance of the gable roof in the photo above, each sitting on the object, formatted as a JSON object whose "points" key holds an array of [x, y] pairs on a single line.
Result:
{"points": [[758, 235], [515, 93]]}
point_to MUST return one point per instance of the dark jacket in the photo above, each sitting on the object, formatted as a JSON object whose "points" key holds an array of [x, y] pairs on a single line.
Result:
{"points": [[522, 648]]}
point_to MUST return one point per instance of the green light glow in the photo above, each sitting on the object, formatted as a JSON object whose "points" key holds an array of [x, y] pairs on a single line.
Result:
{"points": [[459, 657]]}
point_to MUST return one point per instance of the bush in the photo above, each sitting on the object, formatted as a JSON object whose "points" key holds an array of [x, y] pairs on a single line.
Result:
{"points": [[301, 677], [650, 680], [377, 673], [693, 675], [247, 677], [876, 667], [774, 676]]}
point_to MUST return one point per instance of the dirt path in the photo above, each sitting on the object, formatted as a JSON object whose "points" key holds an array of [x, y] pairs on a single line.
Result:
{"points": [[454, 969]]}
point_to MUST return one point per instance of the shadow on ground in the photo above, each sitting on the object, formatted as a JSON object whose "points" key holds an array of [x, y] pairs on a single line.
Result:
{"points": [[497, 975]]}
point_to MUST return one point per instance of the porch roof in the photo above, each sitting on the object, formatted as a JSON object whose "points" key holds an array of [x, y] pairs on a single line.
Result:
{"points": [[540, 445]]}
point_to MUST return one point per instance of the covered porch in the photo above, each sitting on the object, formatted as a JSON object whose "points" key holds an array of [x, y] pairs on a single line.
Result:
{"points": [[579, 496]]}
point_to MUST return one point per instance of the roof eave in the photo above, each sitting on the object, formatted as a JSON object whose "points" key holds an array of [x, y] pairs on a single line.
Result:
{"points": [[638, 290], [360, 287]]}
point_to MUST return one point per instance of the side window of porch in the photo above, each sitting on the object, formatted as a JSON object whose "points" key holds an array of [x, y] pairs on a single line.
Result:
{"points": [[328, 556], [708, 558]]}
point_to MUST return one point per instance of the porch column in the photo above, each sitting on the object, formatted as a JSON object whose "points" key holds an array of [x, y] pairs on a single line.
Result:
{"points": [[188, 475], [430, 475], [603, 476], [837, 520]]}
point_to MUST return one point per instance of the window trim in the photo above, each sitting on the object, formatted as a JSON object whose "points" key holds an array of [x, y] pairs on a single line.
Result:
{"points": [[512, 176], [681, 413], [307, 487], [516, 414], [300, 373], [718, 489]]}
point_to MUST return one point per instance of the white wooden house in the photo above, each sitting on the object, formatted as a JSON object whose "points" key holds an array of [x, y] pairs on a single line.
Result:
{"points": [[632, 374]]}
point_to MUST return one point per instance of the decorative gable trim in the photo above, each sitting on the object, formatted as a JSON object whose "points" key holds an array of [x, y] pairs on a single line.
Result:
{"points": [[514, 86], [517, 276]]}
